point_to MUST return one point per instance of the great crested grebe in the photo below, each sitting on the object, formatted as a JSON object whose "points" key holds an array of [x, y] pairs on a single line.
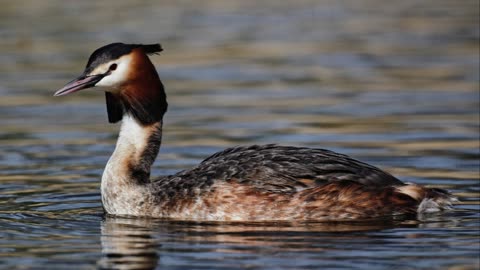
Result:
{"points": [[258, 182]]}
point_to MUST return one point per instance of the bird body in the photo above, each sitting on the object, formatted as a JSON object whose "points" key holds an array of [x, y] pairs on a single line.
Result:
{"points": [[245, 183]]}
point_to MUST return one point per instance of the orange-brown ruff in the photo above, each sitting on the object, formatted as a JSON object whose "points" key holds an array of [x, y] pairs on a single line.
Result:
{"points": [[259, 182]]}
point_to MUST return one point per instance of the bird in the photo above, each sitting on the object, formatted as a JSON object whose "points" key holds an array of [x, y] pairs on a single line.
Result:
{"points": [[243, 183]]}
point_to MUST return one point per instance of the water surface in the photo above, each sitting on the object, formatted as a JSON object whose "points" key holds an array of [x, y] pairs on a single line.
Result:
{"points": [[395, 85]]}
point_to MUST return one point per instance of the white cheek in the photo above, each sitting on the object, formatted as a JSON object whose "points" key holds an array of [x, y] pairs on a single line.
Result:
{"points": [[115, 79], [117, 76], [109, 81]]}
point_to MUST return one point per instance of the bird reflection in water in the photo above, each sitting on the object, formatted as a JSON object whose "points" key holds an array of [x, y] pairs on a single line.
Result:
{"points": [[137, 243], [128, 244]]}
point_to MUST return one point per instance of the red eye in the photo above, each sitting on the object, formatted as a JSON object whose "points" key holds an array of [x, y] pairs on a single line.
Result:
{"points": [[113, 67]]}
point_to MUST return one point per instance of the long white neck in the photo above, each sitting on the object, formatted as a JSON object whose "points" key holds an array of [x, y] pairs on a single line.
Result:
{"points": [[128, 169]]}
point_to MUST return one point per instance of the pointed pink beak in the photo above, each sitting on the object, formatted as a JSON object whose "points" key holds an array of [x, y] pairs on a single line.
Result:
{"points": [[82, 82]]}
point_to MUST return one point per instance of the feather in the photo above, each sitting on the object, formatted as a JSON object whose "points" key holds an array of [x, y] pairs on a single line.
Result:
{"points": [[151, 48], [114, 108]]}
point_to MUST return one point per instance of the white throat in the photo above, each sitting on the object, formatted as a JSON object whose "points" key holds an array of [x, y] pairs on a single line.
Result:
{"points": [[133, 136]]}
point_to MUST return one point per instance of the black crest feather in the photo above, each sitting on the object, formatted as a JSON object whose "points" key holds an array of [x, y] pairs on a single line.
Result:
{"points": [[152, 48], [116, 50]]}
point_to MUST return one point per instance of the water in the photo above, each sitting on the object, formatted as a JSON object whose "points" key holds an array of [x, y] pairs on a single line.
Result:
{"points": [[395, 85]]}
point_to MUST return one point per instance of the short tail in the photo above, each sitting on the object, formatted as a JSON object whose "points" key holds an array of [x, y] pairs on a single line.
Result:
{"points": [[430, 200]]}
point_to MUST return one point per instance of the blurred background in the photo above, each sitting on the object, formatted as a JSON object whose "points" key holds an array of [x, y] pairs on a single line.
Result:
{"points": [[393, 83]]}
